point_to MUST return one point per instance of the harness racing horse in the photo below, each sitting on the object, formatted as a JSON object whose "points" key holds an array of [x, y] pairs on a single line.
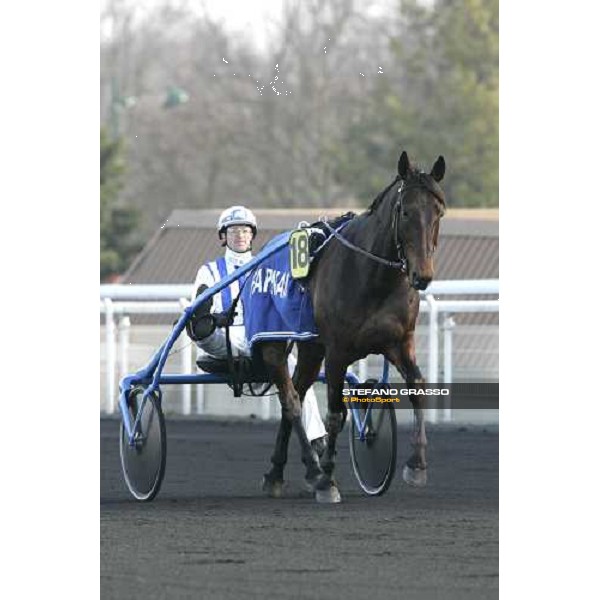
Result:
{"points": [[364, 290]]}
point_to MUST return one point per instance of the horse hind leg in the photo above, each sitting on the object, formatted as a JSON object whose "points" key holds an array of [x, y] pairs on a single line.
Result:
{"points": [[327, 491], [273, 480], [414, 471]]}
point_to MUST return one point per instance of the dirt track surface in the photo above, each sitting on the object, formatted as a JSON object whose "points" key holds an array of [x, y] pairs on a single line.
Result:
{"points": [[210, 533]]}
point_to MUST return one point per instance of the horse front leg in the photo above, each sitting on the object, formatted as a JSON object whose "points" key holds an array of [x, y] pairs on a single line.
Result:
{"points": [[310, 357], [404, 359], [274, 356]]}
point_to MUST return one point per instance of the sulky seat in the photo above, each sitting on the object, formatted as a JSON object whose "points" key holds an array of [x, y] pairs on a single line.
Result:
{"points": [[248, 370]]}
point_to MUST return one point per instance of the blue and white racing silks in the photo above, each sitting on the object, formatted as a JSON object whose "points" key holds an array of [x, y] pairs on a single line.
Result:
{"points": [[276, 307], [210, 274]]}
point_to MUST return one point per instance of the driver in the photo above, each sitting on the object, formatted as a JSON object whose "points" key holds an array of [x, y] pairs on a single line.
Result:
{"points": [[236, 229]]}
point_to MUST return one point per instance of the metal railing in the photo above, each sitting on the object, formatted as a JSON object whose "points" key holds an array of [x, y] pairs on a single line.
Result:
{"points": [[120, 301]]}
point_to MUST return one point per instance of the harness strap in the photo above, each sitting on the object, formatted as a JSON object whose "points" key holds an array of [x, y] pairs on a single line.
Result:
{"points": [[384, 261]]}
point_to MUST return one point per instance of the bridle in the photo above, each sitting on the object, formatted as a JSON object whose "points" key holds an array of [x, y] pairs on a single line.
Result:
{"points": [[402, 263], [399, 209]]}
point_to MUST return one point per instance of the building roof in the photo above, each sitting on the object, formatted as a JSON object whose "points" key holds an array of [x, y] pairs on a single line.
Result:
{"points": [[468, 244], [468, 248]]}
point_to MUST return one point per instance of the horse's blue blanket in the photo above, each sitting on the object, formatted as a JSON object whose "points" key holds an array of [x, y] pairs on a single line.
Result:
{"points": [[276, 307]]}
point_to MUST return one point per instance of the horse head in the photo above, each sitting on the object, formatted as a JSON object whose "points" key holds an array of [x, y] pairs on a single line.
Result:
{"points": [[419, 206]]}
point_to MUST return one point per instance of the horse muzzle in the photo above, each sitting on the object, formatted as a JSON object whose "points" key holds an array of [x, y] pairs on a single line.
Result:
{"points": [[419, 282]]}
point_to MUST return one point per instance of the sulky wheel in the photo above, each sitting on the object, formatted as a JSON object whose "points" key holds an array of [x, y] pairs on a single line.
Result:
{"points": [[143, 463], [374, 459]]}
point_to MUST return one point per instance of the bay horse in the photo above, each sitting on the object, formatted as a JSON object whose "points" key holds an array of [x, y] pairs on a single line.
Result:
{"points": [[364, 287]]}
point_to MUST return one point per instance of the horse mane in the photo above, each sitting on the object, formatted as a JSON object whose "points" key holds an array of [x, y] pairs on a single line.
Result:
{"points": [[341, 219], [381, 196]]}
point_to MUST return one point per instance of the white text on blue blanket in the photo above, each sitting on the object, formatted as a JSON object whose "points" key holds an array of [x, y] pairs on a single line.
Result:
{"points": [[273, 282]]}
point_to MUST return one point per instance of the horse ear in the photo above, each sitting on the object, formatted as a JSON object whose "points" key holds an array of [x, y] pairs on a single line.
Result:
{"points": [[403, 165], [439, 169]]}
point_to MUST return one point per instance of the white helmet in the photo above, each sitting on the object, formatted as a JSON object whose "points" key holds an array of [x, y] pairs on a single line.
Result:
{"points": [[236, 215]]}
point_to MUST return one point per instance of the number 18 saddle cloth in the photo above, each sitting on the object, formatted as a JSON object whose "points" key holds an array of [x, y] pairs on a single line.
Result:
{"points": [[276, 307]]}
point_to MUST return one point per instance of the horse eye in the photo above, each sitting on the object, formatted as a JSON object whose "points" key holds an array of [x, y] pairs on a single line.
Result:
{"points": [[404, 214]]}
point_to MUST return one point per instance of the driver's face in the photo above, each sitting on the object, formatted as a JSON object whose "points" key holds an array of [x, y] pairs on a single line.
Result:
{"points": [[239, 237]]}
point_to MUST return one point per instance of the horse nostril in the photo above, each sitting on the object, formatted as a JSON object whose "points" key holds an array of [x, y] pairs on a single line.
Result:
{"points": [[419, 283]]}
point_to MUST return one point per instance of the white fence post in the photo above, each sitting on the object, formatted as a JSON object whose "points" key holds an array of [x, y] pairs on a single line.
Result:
{"points": [[448, 326], [432, 365], [111, 357]]}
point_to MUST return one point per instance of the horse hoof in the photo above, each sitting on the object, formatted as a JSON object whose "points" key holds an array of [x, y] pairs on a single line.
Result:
{"points": [[414, 477], [330, 495], [273, 489]]}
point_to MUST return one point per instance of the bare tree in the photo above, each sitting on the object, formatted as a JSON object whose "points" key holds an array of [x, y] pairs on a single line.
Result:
{"points": [[259, 127]]}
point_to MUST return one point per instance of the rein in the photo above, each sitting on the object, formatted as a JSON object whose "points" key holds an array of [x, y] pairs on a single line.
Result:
{"points": [[401, 264], [384, 261]]}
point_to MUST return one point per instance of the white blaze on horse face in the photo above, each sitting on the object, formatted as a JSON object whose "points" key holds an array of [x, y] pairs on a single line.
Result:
{"points": [[419, 246]]}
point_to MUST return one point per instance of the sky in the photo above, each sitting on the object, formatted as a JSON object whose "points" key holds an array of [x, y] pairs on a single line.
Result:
{"points": [[258, 13], [253, 17], [257, 17]]}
